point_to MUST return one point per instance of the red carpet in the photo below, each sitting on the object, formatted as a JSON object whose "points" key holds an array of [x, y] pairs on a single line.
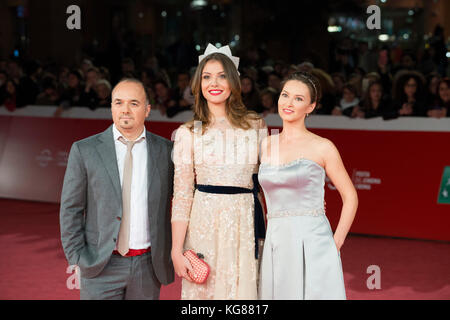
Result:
{"points": [[33, 266]]}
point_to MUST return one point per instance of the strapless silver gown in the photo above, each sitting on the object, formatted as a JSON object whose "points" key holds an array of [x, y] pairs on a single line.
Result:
{"points": [[300, 259]]}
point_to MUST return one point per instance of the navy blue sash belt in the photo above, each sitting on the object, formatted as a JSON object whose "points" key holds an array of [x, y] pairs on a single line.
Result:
{"points": [[260, 228]]}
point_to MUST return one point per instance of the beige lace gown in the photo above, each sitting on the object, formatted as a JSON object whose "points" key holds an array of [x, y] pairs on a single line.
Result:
{"points": [[220, 226]]}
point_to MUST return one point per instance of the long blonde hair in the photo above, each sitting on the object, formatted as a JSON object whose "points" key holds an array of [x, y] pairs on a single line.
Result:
{"points": [[236, 112]]}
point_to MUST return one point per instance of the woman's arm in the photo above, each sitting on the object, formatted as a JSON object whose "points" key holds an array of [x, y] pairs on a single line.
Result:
{"points": [[263, 134], [183, 190], [338, 175]]}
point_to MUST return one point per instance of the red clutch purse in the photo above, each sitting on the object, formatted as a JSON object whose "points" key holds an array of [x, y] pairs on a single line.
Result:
{"points": [[200, 267]]}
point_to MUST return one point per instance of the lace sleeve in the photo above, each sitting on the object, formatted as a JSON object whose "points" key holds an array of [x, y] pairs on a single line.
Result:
{"points": [[263, 132], [184, 177]]}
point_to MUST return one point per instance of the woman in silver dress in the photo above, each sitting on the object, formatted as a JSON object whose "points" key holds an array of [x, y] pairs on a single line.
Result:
{"points": [[301, 258]]}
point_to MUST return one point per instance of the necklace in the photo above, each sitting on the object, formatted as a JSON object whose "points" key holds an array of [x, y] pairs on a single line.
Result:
{"points": [[221, 119]]}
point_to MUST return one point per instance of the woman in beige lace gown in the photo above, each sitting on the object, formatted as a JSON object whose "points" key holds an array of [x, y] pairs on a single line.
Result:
{"points": [[218, 148]]}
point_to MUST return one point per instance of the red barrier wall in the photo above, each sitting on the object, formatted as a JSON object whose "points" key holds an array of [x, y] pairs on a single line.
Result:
{"points": [[397, 174]]}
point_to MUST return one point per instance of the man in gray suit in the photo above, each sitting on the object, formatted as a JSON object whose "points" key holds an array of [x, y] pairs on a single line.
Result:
{"points": [[114, 215]]}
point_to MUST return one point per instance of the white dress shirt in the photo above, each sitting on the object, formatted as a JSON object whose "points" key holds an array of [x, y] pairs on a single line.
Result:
{"points": [[139, 222]]}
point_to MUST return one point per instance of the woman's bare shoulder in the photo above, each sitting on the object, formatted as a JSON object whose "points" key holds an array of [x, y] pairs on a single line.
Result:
{"points": [[326, 148], [255, 121]]}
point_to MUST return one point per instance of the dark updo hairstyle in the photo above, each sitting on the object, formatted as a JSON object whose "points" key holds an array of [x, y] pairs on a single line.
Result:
{"points": [[311, 81]]}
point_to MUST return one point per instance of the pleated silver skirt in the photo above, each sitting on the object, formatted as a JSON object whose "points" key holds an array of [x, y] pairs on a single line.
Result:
{"points": [[300, 260]]}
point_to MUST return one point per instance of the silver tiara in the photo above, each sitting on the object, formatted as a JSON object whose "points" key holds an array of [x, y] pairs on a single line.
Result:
{"points": [[224, 50], [305, 76]]}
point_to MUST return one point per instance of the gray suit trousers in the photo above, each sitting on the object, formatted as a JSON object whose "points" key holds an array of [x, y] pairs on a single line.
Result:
{"points": [[129, 278]]}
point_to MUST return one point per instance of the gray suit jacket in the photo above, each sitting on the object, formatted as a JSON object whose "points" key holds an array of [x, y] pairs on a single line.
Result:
{"points": [[91, 204]]}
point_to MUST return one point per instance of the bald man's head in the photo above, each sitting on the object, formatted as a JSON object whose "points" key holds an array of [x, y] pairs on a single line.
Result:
{"points": [[129, 106], [136, 81]]}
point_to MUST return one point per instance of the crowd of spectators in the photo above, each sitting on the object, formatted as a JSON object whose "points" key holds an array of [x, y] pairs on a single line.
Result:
{"points": [[386, 82], [360, 83]]}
